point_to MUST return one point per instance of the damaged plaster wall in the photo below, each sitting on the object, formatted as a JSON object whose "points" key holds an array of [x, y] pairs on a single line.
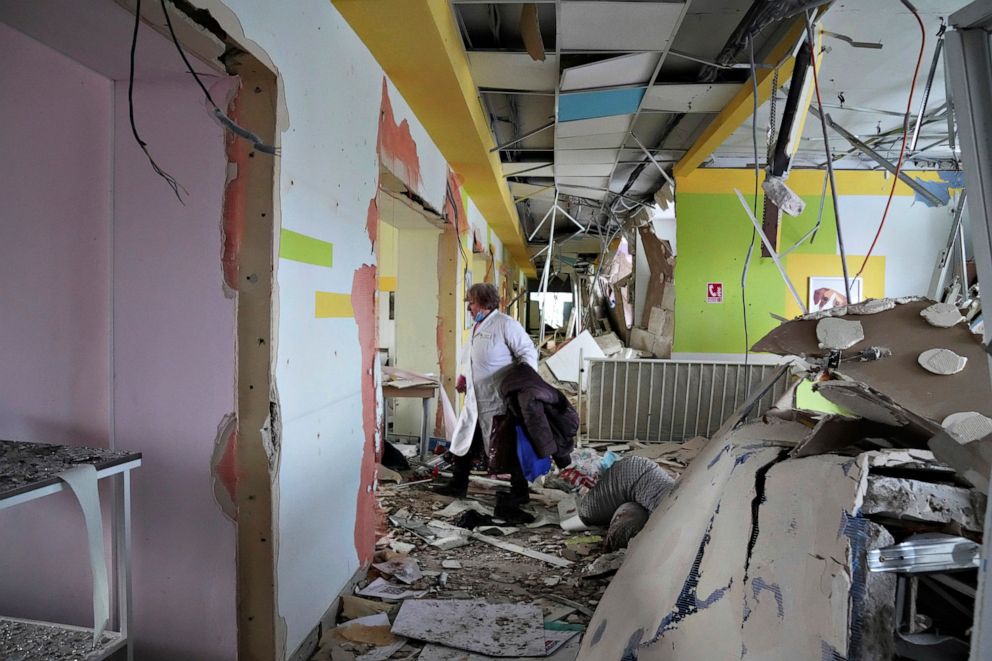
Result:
{"points": [[714, 232], [340, 121], [54, 284]]}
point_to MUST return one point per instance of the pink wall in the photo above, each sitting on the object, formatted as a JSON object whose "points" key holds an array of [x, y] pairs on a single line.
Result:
{"points": [[55, 183], [174, 360], [74, 184]]}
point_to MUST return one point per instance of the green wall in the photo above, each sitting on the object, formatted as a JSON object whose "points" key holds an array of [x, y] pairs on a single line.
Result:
{"points": [[713, 233]]}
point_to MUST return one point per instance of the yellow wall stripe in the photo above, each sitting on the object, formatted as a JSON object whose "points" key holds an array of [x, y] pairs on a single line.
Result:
{"points": [[302, 248], [802, 182], [330, 305], [387, 283]]}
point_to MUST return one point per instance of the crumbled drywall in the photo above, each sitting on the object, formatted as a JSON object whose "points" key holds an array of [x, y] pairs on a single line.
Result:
{"points": [[224, 467]]}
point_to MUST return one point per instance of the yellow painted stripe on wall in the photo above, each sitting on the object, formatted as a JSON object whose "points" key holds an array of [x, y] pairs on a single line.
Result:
{"points": [[803, 182], [329, 305], [387, 283]]}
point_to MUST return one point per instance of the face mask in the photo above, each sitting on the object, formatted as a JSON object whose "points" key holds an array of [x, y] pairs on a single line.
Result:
{"points": [[480, 316]]}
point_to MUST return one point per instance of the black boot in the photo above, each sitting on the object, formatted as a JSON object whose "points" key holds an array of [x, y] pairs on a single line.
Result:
{"points": [[452, 488]]}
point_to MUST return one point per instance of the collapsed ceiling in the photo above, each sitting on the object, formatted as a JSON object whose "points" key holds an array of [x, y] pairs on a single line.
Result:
{"points": [[588, 101]]}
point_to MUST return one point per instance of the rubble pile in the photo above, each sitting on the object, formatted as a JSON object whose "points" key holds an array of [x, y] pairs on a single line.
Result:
{"points": [[845, 523]]}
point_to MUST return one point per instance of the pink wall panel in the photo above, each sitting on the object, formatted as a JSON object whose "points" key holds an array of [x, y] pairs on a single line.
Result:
{"points": [[174, 339], [55, 183]]}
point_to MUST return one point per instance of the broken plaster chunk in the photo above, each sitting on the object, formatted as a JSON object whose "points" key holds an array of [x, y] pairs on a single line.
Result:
{"points": [[942, 315], [967, 426], [834, 333], [917, 500], [942, 361], [872, 306]]}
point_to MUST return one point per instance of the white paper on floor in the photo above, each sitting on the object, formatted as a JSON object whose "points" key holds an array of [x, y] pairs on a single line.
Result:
{"points": [[474, 625], [382, 589]]}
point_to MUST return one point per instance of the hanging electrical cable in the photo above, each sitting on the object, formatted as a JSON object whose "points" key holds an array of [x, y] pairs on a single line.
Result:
{"points": [[830, 159], [169, 179], [221, 116], [905, 134], [757, 176]]}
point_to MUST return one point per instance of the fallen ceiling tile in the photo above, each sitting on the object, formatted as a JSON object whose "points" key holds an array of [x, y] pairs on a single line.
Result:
{"points": [[632, 26], [599, 103], [694, 97], [633, 69], [513, 71]]}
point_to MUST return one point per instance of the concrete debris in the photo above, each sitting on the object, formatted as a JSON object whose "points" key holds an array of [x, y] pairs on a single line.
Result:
{"points": [[609, 343], [402, 568], [942, 361], [942, 315], [915, 500], [605, 564], [834, 333], [382, 589], [877, 605], [967, 426]]}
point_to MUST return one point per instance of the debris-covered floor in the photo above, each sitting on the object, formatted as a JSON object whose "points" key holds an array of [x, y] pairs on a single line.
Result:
{"points": [[848, 534], [442, 548]]}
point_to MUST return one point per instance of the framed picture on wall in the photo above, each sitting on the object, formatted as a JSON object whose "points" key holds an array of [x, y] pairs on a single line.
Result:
{"points": [[827, 292]]}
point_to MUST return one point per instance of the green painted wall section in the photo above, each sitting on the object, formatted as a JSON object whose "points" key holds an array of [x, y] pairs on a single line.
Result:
{"points": [[713, 233], [302, 248]]}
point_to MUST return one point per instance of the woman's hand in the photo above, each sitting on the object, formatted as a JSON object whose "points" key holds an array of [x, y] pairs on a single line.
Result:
{"points": [[460, 384]]}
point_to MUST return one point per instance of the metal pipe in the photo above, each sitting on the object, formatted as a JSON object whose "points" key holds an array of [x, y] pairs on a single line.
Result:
{"points": [[664, 174], [926, 90], [884, 162], [772, 253], [521, 138]]}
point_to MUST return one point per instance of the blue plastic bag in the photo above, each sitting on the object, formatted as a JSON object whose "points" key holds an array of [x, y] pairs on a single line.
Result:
{"points": [[532, 465]]}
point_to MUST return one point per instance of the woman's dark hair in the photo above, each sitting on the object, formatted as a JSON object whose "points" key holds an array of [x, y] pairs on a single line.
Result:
{"points": [[485, 295]]}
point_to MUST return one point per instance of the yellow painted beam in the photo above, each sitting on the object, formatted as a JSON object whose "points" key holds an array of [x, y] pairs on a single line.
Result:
{"points": [[418, 45], [741, 107]]}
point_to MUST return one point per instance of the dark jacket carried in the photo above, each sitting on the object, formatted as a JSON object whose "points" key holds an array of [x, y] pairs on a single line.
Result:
{"points": [[544, 412]]}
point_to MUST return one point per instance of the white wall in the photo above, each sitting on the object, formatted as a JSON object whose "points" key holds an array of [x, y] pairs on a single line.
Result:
{"points": [[913, 236]]}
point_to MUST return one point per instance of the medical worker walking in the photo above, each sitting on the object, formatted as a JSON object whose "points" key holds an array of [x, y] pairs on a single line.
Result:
{"points": [[498, 341]]}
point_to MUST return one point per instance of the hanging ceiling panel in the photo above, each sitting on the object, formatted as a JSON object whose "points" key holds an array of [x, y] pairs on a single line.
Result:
{"points": [[697, 97], [603, 103], [583, 156], [618, 26], [633, 69], [513, 71], [599, 141], [592, 127], [583, 192], [585, 169], [535, 192], [528, 169]]}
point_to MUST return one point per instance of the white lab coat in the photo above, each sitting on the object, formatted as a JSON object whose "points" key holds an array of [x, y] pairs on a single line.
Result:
{"points": [[496, 344]]}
